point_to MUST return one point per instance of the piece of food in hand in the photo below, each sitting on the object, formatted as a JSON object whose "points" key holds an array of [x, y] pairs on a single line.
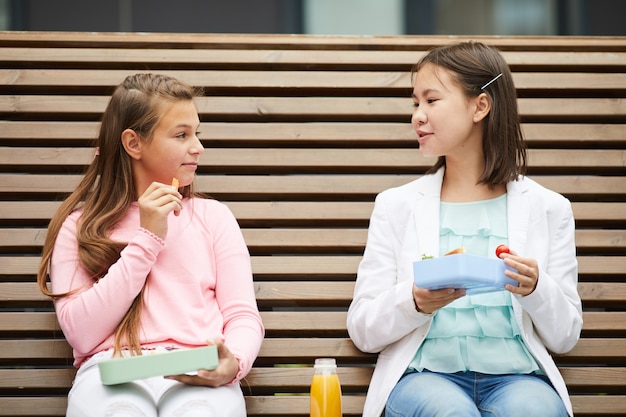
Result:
{"points": [[502, 249], [455, 251], [175, 183]]}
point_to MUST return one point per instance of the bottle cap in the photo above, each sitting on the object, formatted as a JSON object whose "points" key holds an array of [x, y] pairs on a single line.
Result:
{"points": [[325, 363]]}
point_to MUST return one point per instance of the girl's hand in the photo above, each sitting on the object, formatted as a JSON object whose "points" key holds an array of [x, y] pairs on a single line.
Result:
{"points": [[429, 301], [527, 273], [226, 371], [156, 203]]}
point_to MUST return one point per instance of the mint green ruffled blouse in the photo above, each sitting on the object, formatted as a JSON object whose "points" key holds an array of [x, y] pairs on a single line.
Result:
{"points": [[476, 332]]}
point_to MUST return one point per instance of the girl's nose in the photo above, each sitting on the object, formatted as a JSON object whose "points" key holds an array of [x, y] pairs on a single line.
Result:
{"points": [[197, 147], [418, 117]]}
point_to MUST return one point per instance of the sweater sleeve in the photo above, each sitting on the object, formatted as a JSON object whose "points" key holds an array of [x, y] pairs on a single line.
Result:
{"points": [[91, 314], [243, 329]]}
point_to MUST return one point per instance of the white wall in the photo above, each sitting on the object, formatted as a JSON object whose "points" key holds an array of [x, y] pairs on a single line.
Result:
{"points": [[354, 17]]}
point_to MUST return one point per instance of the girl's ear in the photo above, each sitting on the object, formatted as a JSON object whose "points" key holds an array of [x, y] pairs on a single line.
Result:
{"points": [[483, 107], [132, 143]]}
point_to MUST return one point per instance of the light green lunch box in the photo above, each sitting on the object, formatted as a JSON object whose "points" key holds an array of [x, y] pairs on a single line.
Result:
{"points": [[173, 362]]}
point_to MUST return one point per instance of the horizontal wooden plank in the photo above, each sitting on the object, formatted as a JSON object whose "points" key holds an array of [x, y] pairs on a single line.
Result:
{"points": [[295, 350], [312, 186], [33, 406], [100, 57], [588, 350], [71, 39], [322, 159], [299, 349], [296, 321], [271, 211], [327, 265], [262, 265], [37, 378], [312, 107], [352, 405], [35, 349], [316, 291], [314, 239], [298, 378], [321, 132], [286, 158], [613, 405], [29, 321], [364, 80]]}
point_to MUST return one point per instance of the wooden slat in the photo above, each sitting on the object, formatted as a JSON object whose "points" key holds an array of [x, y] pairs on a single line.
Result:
{"points": [[314, 239], [323, 159], [277, 291], [295, 350], [331, 133], [35, 349], [589, 350], [203, 57], [33, 406], [613, 405], [313, 107], [296, 379], [37, 378], [370, 80], [340, 265], [304, 211], [68, 39], [296, 321], [273, 158], [310, 185]]}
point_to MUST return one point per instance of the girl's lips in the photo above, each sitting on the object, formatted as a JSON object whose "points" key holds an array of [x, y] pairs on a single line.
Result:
{"points": [[422, 136]]}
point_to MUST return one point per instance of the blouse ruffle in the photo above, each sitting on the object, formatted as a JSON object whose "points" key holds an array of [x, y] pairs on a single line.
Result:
{"points": [[477, 332]]}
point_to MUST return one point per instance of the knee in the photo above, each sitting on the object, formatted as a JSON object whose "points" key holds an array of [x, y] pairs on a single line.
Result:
{"points": [[524, 406]]}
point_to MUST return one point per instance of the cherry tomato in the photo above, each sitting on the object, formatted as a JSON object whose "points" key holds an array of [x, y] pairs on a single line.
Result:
{"points": [[502, 249]]}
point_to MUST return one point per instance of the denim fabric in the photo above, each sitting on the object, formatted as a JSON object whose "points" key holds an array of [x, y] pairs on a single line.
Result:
{"points": [[471, 394]]}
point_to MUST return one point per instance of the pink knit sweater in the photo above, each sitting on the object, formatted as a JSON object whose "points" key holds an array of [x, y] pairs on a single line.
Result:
{"points": [[198, 285]]}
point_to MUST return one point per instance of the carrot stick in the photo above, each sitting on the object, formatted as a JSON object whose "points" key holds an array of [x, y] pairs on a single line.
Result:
{"points": [[175, 183], [457, 250]]}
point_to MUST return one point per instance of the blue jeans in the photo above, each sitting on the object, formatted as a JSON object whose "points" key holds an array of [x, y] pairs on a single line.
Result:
{"points": [[472, 394]]}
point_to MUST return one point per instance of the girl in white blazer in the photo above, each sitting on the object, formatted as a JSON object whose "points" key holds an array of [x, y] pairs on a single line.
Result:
{"points": [[466, 115]]}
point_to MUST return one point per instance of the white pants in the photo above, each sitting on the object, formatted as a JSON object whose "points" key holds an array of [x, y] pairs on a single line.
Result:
{"points": [[149, 397]]}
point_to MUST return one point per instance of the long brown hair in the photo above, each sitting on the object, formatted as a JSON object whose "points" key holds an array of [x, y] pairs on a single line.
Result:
{"points": [[473, 65], [107, 189]]}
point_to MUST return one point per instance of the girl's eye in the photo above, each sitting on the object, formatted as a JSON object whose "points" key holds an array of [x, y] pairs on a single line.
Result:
{"points": [[181, 135], [416, 105], [431, 100]]}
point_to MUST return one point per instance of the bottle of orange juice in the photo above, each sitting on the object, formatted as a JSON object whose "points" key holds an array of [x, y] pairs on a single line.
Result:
{"points": [[325, 389]]}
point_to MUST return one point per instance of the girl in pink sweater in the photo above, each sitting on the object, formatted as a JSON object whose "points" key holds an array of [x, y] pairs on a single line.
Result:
{"points": [[137, 264]]}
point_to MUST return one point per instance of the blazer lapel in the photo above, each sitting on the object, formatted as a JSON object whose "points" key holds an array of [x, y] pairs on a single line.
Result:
{"points": [[517, 215], [426, 214]]}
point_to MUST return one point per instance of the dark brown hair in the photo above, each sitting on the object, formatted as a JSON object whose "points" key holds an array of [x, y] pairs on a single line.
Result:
{"points": [[107, 189], [473, 65]]}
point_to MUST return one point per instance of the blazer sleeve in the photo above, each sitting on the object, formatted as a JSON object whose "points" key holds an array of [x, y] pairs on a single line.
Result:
{"points": [[555, 306], [382, 310]]}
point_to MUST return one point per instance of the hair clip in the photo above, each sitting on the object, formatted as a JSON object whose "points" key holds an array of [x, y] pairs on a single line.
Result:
{"points": [[492, 80]]}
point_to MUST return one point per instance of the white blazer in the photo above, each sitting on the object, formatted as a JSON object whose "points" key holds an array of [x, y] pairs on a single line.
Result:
{"points": [[405, 225]]}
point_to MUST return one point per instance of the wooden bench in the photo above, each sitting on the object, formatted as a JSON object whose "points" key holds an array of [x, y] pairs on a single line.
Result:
{"points": [[301, 133]]}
